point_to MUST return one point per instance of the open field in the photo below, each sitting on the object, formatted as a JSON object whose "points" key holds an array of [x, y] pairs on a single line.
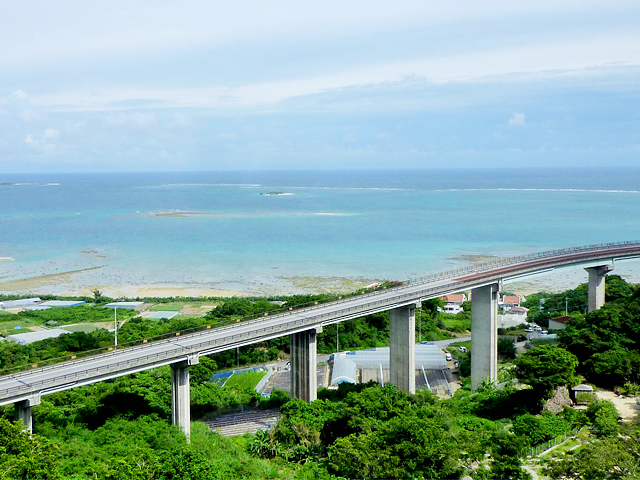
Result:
{"points": [[81, 327], [245, 381]]}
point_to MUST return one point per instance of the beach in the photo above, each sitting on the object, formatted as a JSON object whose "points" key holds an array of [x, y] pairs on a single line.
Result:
{"points": [[212, 233], [82, 282]]}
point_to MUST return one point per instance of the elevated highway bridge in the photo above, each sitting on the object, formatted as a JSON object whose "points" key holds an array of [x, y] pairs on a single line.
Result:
{"points": [[26, 388]]}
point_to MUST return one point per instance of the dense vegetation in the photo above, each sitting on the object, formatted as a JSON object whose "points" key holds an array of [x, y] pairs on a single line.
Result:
{"points": [[121, 428]]}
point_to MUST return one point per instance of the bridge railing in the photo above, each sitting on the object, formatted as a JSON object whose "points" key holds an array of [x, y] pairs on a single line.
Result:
{"points": [[207, 330], [181, 351], [503, 262]]}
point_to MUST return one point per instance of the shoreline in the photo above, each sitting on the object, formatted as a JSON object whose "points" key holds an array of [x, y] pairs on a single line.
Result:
{"points": [[81, 282]]}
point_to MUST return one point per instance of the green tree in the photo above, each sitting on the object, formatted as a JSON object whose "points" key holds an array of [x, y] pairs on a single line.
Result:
{"points": [[25, 456], [506, 453], [545, 368], [605, 418], [506, 347]]}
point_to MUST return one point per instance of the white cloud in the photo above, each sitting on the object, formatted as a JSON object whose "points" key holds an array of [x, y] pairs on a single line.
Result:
{"points": [[20, 95], [577, 58], [227, 136], [29, 139], [51, 133], [518, 120], [29, 116], [131, 120], [180, 121]]}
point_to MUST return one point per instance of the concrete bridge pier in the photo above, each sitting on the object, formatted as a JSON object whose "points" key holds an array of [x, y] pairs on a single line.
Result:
{"points": [[23, 412], [180, 394], [596, 285], [304, 364], [402, 351], [484, 334]]}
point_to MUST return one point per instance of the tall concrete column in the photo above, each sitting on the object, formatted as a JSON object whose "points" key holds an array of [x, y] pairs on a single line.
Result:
{"points": [[484, 335], [596, 285], [402, 348], [304, 364], [180, 395], [23, 412]]}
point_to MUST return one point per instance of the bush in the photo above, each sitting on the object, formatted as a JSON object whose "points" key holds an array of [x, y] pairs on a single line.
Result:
{"points": [[604, 417], [630, 389], [584, 398], [506, 347]]}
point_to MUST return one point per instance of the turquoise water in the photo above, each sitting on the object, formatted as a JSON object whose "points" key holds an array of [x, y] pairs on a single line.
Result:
{"points": [[373, 225]]}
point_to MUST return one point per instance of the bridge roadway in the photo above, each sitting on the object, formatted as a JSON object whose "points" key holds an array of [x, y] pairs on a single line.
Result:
{"points": [[30, 385]]}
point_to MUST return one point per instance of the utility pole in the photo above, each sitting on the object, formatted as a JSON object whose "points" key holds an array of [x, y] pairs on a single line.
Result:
{"points": [[337, 338], [420, 325], [566, 306], [115, 323]]}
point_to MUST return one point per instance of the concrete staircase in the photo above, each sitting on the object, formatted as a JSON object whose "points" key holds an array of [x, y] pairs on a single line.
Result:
{"points": [[239, 423]]}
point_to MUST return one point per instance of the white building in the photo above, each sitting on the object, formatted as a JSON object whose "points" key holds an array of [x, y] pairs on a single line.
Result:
{"points": [[453, 303]]}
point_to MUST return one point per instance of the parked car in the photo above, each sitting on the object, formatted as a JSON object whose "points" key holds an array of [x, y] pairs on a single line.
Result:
{"points": [[463, 349], [543, 332], [448, 356]]}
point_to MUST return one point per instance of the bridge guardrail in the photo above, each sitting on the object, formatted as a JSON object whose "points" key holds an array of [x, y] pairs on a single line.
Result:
{"points": [[471, 269], [284, 327]]}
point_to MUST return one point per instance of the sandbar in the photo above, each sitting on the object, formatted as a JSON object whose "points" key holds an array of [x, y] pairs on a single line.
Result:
{"points": [[160, 291], [7, 259], [39, 281], [328, 284], [476, 258]]}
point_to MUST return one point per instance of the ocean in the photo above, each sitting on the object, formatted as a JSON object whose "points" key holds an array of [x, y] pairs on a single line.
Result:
{"points": [[224, 230]]}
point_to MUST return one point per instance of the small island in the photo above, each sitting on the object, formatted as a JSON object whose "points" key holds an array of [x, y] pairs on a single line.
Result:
{"points": [[277, 193]]}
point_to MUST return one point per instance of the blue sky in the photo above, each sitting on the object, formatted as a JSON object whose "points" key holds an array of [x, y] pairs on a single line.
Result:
{"points": [[204, 85]]}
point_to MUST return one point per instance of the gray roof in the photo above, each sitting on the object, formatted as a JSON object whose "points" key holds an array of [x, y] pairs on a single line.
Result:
{"points": [[19, 303], [582, 388], [165, 314], [127, 305], [427, 355], [63, 303], [344, 370], [31, 337]]}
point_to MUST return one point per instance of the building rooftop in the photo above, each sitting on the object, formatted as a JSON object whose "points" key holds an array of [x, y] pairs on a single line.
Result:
{"points": [[128, 305], [26, 338], [512, 299], [62, 303], [562, 320], [454, 298], [163, 314]]}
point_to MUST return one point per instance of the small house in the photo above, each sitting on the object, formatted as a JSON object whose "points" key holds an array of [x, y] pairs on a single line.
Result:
{"points": [[558, 323], [453, 303]]}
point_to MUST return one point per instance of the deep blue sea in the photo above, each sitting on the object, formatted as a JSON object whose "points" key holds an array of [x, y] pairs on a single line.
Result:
{"points": [[356, 224]]}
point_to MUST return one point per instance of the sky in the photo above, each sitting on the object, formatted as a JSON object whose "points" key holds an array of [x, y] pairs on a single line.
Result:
{"points": [[252, 85]]}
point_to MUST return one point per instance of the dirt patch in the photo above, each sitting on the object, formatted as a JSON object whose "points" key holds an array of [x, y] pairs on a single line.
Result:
{"points": [[42, 280], [627, 406]]}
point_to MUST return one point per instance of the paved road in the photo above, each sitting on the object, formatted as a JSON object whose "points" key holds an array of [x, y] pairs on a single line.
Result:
{"points": [[59, 377]]}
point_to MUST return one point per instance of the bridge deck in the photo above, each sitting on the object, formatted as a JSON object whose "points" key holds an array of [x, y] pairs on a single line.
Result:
{"points": [[40, 381]]}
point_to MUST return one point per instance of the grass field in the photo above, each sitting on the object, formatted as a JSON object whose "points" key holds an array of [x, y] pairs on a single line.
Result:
{"points": [[167, 307], [455, 323], [188, 315], [245, 381], [453, 349], [544, 341], [81, 327], [15, 332]]}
